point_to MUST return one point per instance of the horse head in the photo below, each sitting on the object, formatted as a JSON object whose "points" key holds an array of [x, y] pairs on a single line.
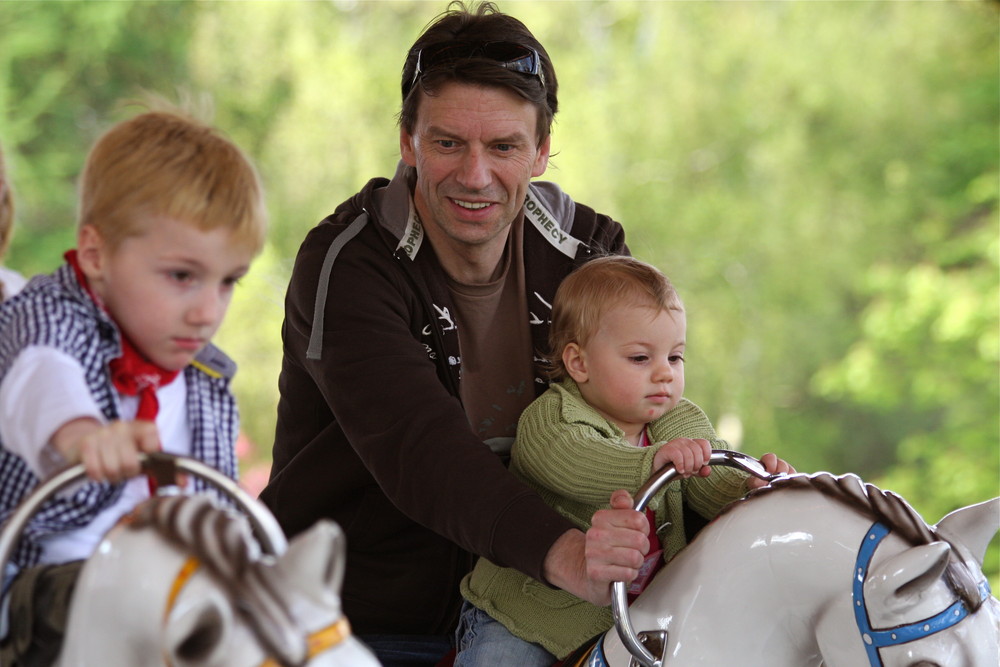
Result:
{"points": [[816, 570], [182, 582], [932, 599]]}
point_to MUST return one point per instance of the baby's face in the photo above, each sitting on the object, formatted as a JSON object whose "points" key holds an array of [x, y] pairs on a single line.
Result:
{"points": [[633, 366], [169, 288]]}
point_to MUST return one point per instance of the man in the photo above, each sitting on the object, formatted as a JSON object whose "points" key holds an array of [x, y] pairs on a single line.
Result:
{"points": [[412, 322]]}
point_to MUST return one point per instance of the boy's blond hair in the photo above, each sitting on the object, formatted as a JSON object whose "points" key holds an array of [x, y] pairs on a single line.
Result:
{"points": [[165, 163], [586, 295], [6, 208]]}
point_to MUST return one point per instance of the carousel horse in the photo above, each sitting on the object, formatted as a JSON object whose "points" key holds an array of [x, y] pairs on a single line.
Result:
{"points": [[811, 571], [186, 582], [814, 571]]}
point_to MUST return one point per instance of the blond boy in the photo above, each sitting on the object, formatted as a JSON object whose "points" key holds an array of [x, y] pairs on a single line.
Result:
{"points": [[111, 356]]}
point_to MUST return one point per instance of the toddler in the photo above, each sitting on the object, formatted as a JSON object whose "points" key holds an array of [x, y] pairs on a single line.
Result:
{"points": [[614, 416]]}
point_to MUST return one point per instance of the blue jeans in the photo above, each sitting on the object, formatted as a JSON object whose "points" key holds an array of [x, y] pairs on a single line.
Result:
{"points": [[408, 650], [482, 641]]}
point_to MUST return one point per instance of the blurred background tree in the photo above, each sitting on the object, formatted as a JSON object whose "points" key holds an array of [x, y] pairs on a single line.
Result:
{"points": [[820, 179]]}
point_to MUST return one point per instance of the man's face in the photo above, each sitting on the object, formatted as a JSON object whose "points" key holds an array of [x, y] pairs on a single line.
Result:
{"points": [[475, 149]]}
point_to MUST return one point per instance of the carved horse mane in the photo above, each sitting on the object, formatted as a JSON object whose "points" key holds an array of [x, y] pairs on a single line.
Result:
{"points": [[888, 508], [222, 543]]}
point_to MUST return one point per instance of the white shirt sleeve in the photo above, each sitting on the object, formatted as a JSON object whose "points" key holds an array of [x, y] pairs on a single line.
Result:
{"points": [[44, 389]]}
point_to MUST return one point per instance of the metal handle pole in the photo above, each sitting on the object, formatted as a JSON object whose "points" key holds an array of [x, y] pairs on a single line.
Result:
{"points": [[660, 478], [265, 526]]}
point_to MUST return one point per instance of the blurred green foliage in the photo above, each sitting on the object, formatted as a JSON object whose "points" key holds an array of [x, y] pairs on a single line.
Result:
{"points": [[820, 179]]}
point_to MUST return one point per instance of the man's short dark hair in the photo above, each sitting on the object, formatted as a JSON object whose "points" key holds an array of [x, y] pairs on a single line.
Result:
{"points": [[482, 25]]}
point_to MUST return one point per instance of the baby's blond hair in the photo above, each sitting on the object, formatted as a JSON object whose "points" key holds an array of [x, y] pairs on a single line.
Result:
{"points": [[586, 294]]}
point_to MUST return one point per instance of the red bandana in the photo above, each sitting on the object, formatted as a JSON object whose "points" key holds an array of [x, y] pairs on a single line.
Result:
{"points": [[133, 375]]}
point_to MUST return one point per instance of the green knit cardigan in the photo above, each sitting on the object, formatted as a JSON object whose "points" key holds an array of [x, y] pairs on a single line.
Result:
{"points": [[575, 459]]}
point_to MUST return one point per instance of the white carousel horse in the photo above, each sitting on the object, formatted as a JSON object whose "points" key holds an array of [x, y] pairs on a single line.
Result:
{"points": [[183, 582], [816, 570]]}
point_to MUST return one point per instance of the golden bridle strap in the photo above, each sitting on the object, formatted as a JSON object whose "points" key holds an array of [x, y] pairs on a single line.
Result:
{"points": [[317, 642], [321, 640], [183, 576]]}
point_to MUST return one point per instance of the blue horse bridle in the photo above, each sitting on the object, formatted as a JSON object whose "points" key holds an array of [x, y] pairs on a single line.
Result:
{"points": [[876, 639]]}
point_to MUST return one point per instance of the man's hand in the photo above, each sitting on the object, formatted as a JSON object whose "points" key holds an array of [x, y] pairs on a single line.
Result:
{"points": [[612, 550]]}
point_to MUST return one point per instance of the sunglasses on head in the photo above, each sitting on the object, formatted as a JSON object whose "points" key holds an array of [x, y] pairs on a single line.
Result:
{"points": [[509, 55]]}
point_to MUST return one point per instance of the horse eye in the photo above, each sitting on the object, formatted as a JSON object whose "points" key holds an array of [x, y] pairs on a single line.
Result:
{"points": [[204, 637], [925, 663]]}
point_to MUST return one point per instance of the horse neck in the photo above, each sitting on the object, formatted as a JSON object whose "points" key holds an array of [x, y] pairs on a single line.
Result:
{"points": [[768, 568]]}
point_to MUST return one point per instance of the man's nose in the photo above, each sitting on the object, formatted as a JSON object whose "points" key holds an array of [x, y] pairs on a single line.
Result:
{"points": [[474, 173]]}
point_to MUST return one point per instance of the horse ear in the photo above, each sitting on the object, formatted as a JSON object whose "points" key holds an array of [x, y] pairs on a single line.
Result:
{"points": [[314, 562], [898, 584], [199, 634], [974, 526]]}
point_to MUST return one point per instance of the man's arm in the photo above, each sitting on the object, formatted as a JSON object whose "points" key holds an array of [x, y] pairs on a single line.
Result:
{"points": [[612, 550], [385, 391]]}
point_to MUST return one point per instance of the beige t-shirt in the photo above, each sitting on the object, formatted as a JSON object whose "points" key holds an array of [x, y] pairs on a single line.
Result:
{"points": [[495, 342]]}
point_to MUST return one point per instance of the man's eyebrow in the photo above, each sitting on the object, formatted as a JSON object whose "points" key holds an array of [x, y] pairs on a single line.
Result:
{"points": [[515, 138], [511, 138], [438, 130]]}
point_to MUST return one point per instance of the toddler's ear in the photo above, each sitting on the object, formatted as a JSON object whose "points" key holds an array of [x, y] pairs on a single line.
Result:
{"points": [[575, 361], [90, 249]]}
